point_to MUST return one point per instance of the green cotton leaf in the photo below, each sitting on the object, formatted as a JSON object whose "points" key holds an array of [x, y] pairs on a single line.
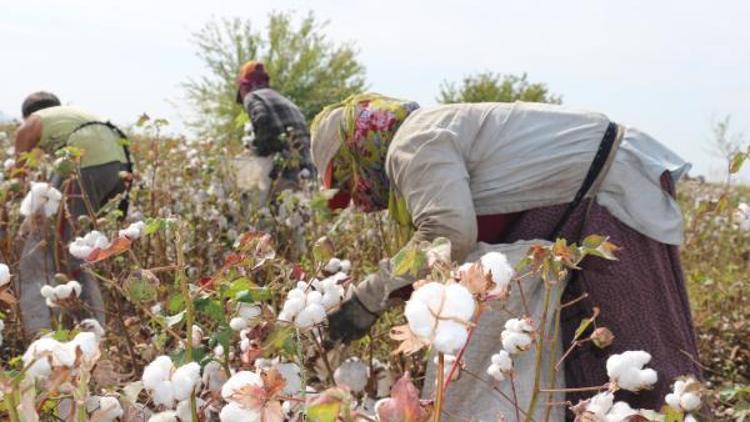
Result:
{"points": [[210, 307], [585, 323], [409, 260], [153, 225], [672, 415], [176, 303], [252, 295], [282, 338], [173, 320], [222, 336], [142, 120], [737, 161], [238, 286]]}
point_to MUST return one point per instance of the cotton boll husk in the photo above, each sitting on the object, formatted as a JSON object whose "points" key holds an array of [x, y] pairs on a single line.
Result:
{"points": [[421, 321], [459, 302], [185, 380], [239, 380], [237, 323], [620, 411], [352, 373], [163, 394], [157, 371], [431, 294], [233, 412], [450, 336], [4, 275]]}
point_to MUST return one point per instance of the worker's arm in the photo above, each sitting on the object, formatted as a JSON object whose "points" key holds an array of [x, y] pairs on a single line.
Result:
{"points": [[27, 138]]}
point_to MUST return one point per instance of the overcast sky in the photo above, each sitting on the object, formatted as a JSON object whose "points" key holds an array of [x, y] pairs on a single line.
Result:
{"points": [[669, 68]]}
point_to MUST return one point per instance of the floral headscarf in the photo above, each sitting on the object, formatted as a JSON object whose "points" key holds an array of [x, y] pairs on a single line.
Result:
{"points": [[368, 124]]}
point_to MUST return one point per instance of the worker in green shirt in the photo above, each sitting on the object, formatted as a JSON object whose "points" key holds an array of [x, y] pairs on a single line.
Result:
{"points": [[104, 173]]}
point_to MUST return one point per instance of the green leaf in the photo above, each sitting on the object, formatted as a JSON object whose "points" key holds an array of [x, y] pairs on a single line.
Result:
{"points": [[324, 412], [253, 295], [737, 161], [672, 415], [409, 260], [282, 338], [153, 225], [237, 286], [210, 307], [176, 303], [585, 323]]}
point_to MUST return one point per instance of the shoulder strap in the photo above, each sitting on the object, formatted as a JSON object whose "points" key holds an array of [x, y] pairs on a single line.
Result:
{"points": [[113, 128]]}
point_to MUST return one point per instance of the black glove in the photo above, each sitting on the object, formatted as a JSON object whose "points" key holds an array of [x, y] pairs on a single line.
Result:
{"points": [[351, 321]]}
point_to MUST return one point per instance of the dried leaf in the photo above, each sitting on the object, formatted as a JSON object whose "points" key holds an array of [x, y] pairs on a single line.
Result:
{"points": [[120, 245], [7, 297], [410, 343], [404, 405], [476, 280]]}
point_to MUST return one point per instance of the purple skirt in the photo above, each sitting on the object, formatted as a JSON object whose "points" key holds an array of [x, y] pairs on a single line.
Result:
{"points": [[642, 298]]}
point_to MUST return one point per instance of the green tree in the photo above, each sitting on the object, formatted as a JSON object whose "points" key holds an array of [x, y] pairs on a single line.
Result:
{"points": [[494, 87], [303, 65]]}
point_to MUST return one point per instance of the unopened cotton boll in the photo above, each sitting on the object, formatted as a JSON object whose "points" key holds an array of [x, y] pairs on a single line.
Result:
{"points": [[237, 323], [185, 380], [4, 275], [626, 370], [497, 265], [352, 373]]}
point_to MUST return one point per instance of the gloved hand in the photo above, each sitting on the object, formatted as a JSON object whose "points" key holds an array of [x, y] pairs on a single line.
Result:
{"points": [[351, 321]]}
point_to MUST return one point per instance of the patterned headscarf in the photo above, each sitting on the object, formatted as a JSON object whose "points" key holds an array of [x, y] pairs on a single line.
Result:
{"points": [[365, 126]]}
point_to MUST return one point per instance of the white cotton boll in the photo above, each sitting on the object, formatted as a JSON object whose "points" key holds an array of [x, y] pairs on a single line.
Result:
{"points": [[75, 286], [47, 291], [183, 411], [333, 266], [237, 323], [450, 336], [331, 299], [497, 265], [519, 325], [93, 326], [346, 266], [42, 198], [50, 303], [690, 402], [244, 344], [459, 302], [248, 310], [109, 409], [311, 315], [620, 411], [62, 291], [35, 352], [163, 394], [219, 351], [502, 360], [681, 399], [185, 380], [514, 342], [133, 231], [233, 412], [301, 286], [291, 374], [88, 343], [167, 416], [600, 404], [157, 371], [293, 306], [297, 293], [285, 317], [690, 418], [4, 275], [626, 370], [9, 164], [238, 381], [313, 297], [421, 321], [352, 373], [79, 249], [213, 376], [430, 294]]}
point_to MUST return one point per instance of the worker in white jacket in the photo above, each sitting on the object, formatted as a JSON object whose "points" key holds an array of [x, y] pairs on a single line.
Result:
{"points": [[502, 172]]}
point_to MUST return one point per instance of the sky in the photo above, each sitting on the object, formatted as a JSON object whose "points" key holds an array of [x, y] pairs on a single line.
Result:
{"points": [[669, 68]]}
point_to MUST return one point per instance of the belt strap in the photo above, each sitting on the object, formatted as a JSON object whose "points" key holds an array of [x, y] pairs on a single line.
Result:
{"points": [[595, 176]]}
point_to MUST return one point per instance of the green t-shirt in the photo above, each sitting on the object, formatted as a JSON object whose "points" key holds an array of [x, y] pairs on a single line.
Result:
{"points": [[100, 144]]}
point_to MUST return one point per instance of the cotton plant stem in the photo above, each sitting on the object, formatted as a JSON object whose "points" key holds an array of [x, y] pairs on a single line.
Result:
{"points": [[194, 407], [539, 351], [553, 369], [574, 390], [515, 397], [301, 360], [185, 289], [460, 355], [439, 392], [324, 356]]}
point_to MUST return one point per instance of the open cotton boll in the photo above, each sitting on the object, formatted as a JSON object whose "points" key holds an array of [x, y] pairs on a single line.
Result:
{"points": [[459, 302], [599, 405], [248, 310], [496, 264], [35, 353], [620, 411], [519, 325], [291, 373], [213, 376], [311, 315], [233, 412], [501, 365], [346, 266], [196, 336], [331, 299], [238, 381], [626, 370], [450, 336], [183, 411], [82, 247], [75, 286], [185, 380], [421, 321], [62, 291], [313, 297], [293, 306], [157, 371], [431, 294], [87, 342], [352, 373], [109, 409], [163, 394], [333, 266], [47, 291], [91, 325], [4, 275], [685, 395], [514, 342], [237, 323], [167, 416], [133, 231], [42, 198]]}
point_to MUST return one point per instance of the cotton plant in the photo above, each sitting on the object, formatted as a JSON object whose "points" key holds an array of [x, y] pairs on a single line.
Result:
{"points": [[61, 294], [440, 314], [42, 199], [168, 385], [47, 354]]}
